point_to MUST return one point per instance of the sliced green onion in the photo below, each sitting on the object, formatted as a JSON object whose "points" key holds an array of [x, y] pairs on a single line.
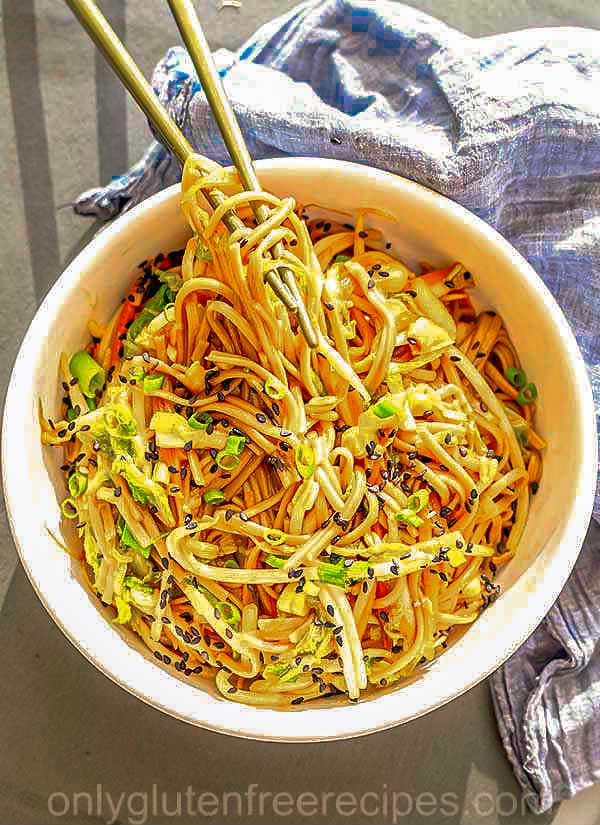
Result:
{"points": [[305, 460], [274, 561], [528, 394], [199, 420], [68, 508], [214, 497], [418, 500], [152, 383], [274, 388], [71, 414], [383, 409], [77, 484], [516, 377], [229, 613], [235, 444], [89, 373], [137, 373], [332, 574], [134, 581], [409, 517], [341, 259], [227, 461], [119, 422], [152, 307], [228, 457], [275, 537], [232, 563], [92, 403]]}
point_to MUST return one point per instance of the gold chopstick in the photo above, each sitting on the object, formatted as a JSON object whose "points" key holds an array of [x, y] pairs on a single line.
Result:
{"points": [[93, 21], [199, 50]]}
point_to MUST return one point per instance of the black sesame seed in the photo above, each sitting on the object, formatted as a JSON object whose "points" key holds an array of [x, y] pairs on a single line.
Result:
{"points": [[187, 446], [330, 610], [261, 418]]}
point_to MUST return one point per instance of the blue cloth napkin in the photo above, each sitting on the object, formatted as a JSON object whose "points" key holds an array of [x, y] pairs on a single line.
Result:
{"points": [[509, 126]]}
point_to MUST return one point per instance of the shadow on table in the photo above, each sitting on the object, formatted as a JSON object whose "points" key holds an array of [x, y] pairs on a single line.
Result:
{"points": [[66, 730]]}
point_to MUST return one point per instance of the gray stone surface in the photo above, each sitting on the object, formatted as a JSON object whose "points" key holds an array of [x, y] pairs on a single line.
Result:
{"points": [[63, 726]]}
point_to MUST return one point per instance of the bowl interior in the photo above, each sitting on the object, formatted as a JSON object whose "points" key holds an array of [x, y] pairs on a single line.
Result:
{"points": [[427, 227]]}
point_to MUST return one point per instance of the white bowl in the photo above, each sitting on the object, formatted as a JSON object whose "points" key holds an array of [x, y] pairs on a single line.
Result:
{"points": [[428, 226]]}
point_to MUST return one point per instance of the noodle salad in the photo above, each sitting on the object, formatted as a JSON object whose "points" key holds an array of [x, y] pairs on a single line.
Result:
{"points": [[294, 523]]}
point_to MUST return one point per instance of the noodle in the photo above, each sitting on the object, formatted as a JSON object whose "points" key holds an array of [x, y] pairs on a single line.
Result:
{"points": [[294, 523]]}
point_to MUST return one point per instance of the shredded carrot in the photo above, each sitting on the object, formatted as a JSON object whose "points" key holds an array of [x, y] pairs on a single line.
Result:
{"points": [[437, 275]]}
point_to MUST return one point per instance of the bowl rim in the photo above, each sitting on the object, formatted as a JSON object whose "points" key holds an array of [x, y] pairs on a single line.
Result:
{"points": [[336, 722]]}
